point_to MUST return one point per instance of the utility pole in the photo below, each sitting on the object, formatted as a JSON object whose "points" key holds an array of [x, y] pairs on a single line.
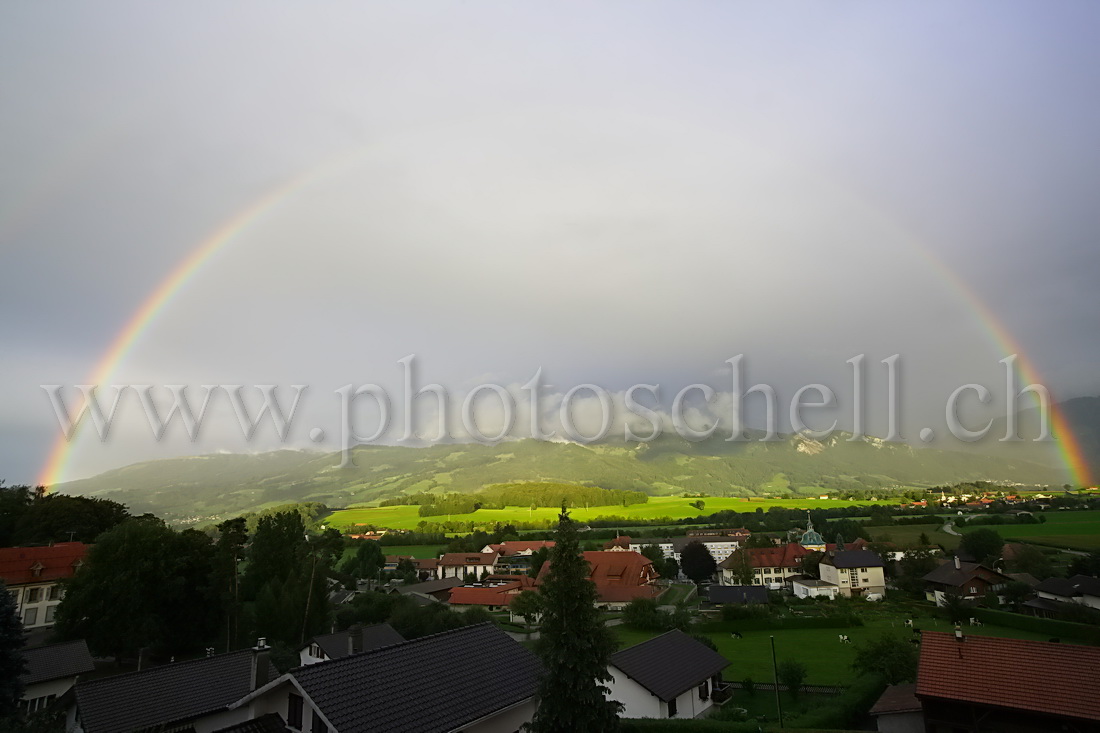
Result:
{"points": [[775, 677]]}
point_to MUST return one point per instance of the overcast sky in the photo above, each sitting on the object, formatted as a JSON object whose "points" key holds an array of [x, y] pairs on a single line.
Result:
{"points": [[617, 193]]}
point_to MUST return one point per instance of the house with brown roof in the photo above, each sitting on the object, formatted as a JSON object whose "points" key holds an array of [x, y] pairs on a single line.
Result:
{"points": [[967, 580], [33, 575], [668, 676], [995, 685], [461, 564], [898, 710]]}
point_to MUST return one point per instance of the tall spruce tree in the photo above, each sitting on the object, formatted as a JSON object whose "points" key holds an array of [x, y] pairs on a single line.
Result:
{"points": [[11, 654], [574, 645]]}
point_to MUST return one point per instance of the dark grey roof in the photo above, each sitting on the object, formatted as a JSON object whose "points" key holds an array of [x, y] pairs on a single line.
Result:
{"points": [[1027, 578], [897, 699], [737, 594], [1070, 587], [171, 693], [670, 664], [430, 586], [853, 559], [432, 684], [948, 574], [1043, 604], [374, 637], [45, 663], [270, 723]]}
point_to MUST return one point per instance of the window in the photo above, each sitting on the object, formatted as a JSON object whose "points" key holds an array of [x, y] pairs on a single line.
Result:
{"points": [[973, 590], [704, 690], [315, 651], [672, 708], [318, 724], [34, 595], [294, 711], [56, 593], [50, 612], [30, 617]]}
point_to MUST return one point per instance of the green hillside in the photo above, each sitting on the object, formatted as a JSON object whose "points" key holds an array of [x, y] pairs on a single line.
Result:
{"points": [[208, 487]]}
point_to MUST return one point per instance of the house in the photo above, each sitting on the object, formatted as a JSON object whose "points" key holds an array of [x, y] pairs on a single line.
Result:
{"points": [[740, 534], [855, 573], [720, 547], [1080, 589], [967, 580], [803, 586], [669, 676], [475, 679], [495, 593], [738, 595], [770, 566], [985, 683], [514, 556], [427, 568], [898, 710], [32, 575], [620, 576], [439, 590], [51, 671], [194, 695], [393, 561], [355, 640], [461, 564]]}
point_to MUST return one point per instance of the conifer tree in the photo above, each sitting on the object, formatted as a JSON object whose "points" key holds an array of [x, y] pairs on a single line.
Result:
{"points": [[11, 654], [574, 645]]}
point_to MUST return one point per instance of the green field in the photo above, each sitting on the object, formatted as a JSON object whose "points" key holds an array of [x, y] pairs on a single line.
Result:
{"points": [[407, 517], [1074, 529], [828, 662], [908, 535]]}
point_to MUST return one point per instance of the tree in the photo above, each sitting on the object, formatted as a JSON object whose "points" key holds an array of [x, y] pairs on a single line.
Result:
{"points": [[740, 566], [143, 584], [697, 562], [367, 560], [527, 604], [575, 646], [984, 545], [791, 673], [912, 568], [538, 558], [60, 518], [1088, 565], [1029, 559], [889, 655], [228, 552], [758, 540], [923, 540], [810, 563], [11, 654]]}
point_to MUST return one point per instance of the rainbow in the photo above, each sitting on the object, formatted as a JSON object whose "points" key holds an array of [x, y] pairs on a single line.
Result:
{"points": [[1069, 447]]}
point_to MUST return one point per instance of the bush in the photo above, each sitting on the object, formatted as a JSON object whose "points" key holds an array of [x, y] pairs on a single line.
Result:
{"points": [[845, 710], [748, 685], [645, 615], [845, 621]]}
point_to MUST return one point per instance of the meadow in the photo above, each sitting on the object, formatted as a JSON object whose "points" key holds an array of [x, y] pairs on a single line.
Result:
{"points": [[407, 516], [1073, 529], [828, 662]]}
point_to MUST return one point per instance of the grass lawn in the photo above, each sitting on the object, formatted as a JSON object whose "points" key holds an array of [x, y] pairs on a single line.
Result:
{"points": [[828, 662], [676, 593], [407, 516], [418, 551], [908, 535], [1080, 530]]}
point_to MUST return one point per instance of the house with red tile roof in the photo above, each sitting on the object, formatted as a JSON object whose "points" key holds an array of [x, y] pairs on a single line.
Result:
{"points": [[770, 566], [985, 683], [493, 594], [32, 575], [620, 576]]}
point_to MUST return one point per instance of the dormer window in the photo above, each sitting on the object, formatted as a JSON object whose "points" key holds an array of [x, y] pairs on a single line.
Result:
{"points": [[36, 569]]}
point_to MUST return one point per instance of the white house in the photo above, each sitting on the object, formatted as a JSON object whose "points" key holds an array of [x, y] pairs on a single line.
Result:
{"points": [[804, 587], [854, 572], [461, 564], [1081, 589], [668, 676], [720, 547], [51, 671]]}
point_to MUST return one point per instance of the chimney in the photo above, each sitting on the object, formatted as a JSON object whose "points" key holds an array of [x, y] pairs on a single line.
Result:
{"points": [[143, 658], [355, 639], [959, 633], [958, 563], [261, 654]]}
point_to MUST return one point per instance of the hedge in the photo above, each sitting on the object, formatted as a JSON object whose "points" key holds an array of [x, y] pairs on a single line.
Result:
{"points": [[847, 709], [769, 624], [1046, 626], [683, 725]]}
